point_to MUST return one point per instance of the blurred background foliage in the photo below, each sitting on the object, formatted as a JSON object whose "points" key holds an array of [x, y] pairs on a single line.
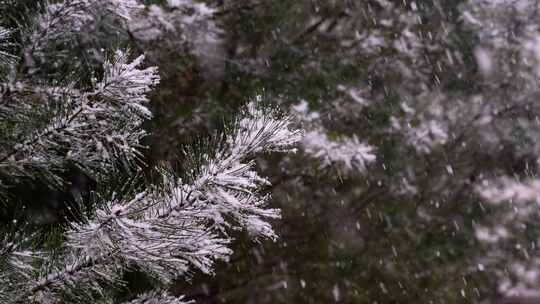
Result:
{"points": [[360, 236], [346, 239]]}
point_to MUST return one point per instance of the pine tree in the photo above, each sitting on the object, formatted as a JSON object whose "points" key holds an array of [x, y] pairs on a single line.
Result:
{"points": [[66, 105]]}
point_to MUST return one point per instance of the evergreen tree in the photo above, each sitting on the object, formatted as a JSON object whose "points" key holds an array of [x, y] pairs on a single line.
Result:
{"points": [[72, 110], [415, 182]]}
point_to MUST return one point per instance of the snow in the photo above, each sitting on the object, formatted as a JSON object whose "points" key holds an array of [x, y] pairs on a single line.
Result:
{"points": [[484, 60]]}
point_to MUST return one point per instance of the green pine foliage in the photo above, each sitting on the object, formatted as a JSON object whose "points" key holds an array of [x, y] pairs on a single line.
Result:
{"points": [[79, 215]]}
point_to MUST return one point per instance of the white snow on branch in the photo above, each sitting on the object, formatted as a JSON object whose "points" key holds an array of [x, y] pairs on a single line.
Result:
{"points": [[92, 127], [6, 58], [524, 282], [507, 190], [348, 153], [61, 20], [181, 227], [127, 83], [122, 8], [521, 199], [17, 265], [355, 94], [427, 134], [158, 297]]}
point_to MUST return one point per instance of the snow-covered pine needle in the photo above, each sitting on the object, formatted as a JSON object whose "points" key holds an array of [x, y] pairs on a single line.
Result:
{"points": [[181, 227]]}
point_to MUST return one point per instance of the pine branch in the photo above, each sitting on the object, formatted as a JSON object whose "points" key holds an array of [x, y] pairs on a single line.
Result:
{"points": [[6, 58], [157, 297], [346, 153], [92, 129], [59, 22], [169, 232]]}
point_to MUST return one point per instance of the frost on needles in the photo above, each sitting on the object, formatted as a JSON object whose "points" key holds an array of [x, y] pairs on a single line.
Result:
{"points": [[166, 231], [91, 128], [49, 118]]}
